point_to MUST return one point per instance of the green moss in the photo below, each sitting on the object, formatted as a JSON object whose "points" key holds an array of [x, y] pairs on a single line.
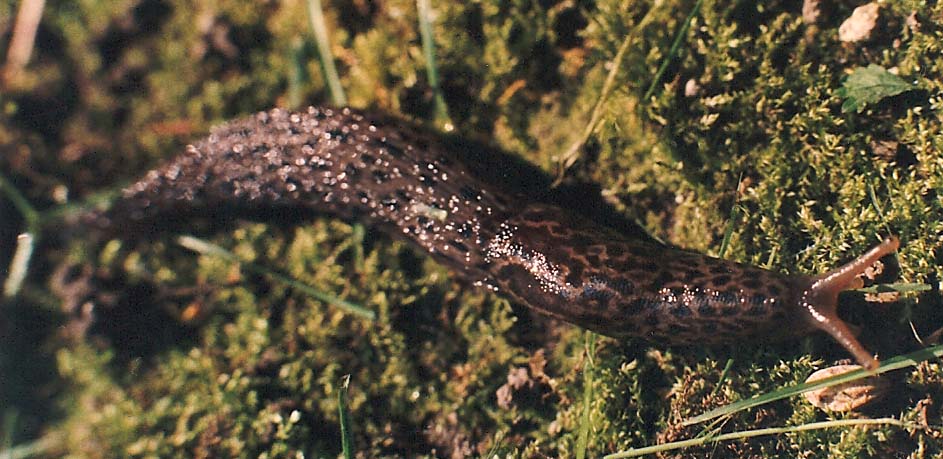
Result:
{"points": [[227, 363]]}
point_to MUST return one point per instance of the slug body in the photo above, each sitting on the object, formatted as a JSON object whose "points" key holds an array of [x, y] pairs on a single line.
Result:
{"points": [[394, 176]]}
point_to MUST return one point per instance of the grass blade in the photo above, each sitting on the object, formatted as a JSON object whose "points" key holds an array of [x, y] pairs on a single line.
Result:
{"points": [[723, 377], [424, 11], [732, 219], [22, 205], [297, 74], [902, 287], [325, 57], [19, 265], [24, 242], [673, 51], [344, 418], [572, 153], [891, 364], [760, 432], [207, 248], [588, 380]]}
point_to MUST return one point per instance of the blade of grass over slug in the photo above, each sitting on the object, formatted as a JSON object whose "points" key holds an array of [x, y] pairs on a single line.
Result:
{"points": [[891, 364], [424, 11], [325, 58], [761, 432], [732, 219], [673, 51], [344, 418], [572, 153], [207, 248], [588, 380]]}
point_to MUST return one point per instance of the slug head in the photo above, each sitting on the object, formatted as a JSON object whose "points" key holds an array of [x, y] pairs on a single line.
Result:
{"points": [[820, 300]]}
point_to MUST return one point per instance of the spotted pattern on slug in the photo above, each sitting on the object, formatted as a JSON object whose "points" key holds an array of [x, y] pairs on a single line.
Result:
{"points": [[411, 183], [326, 161], [622, 287]]}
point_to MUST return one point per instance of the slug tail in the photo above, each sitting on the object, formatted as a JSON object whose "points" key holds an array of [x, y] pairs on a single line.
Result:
{"points": [[820, 300]]}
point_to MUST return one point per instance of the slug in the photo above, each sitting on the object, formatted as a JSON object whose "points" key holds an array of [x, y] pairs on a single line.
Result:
{"points": [[390, 174]]}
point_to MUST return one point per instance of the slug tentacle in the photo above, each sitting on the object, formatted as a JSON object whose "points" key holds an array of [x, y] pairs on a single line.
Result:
{"points": [[447, 198], [820, 300]]}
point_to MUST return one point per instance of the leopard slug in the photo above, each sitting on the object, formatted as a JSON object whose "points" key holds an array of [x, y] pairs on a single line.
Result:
{"points": [[396, 177]]}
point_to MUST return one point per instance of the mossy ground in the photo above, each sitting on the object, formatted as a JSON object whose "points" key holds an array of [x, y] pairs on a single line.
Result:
{"points": [[195, 358]]}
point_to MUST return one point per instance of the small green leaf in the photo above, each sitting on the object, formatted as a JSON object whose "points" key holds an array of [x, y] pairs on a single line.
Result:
{"points": [[870, 85]]}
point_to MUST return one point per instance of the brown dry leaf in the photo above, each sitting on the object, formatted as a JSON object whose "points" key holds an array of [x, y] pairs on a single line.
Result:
{"points": [[848, 396]]}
